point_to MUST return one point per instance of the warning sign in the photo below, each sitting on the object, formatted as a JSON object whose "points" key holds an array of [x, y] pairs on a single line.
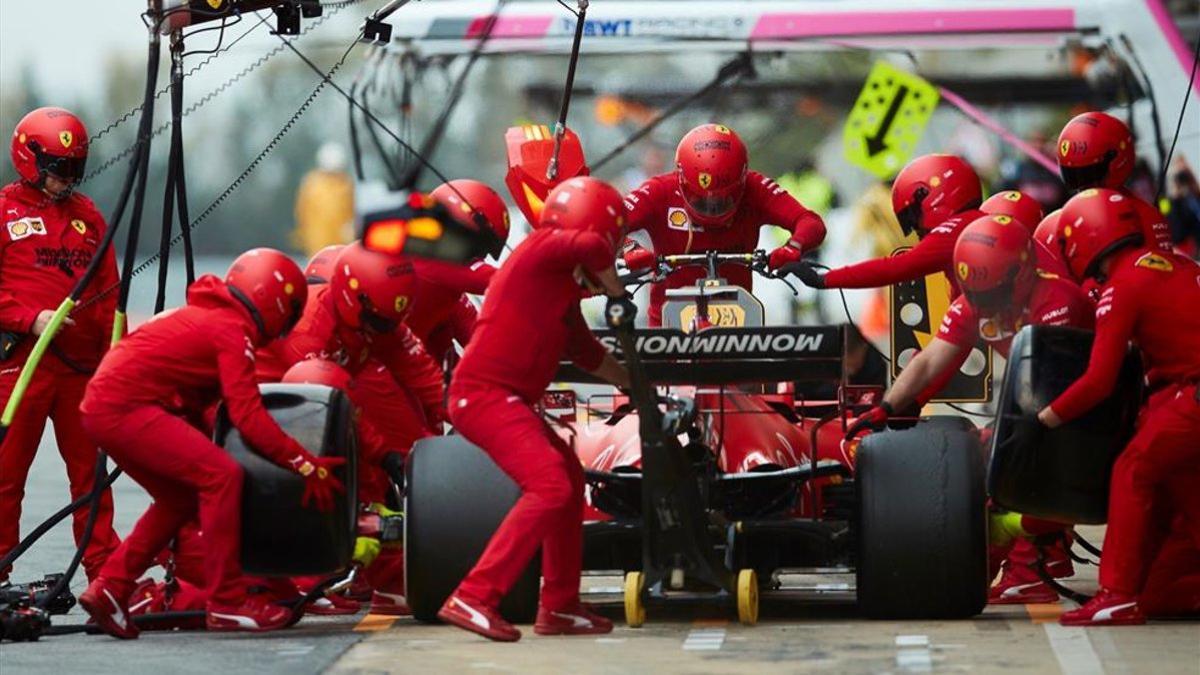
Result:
{"points": [[888, 119], [917, 308]]}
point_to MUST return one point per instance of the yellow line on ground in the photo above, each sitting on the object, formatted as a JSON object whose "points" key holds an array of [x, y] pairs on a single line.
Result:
{"points": [[1044, 613], [374, 622]]}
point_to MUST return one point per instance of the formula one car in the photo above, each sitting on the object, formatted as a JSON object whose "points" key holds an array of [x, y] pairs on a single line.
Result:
{"points": [[711, 476]]}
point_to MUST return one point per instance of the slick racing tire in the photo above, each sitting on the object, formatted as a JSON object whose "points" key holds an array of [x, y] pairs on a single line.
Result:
{"points": [[922, 524], [456, 499]]}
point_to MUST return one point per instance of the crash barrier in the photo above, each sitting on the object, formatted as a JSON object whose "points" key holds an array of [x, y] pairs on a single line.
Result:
{"points": [[1060, 474], [279, 537], [922, 522], [456, 498]]}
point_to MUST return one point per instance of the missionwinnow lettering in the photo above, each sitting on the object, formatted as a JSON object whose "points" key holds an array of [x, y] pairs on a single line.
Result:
{"points": [[693, 345]]}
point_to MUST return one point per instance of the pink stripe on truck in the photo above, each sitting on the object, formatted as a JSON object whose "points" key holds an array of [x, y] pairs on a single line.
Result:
{"points": [[820, 24]]}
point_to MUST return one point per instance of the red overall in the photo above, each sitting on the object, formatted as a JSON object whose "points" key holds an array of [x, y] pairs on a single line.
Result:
{"points": [[390, 371], [658, 208], [45, 245], [179, 363], [1153, 536], [530, 320], [933, 253], [441, 313]]}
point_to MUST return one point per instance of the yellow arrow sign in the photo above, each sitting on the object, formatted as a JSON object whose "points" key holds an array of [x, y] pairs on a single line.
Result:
{"points": [[888, 119]]}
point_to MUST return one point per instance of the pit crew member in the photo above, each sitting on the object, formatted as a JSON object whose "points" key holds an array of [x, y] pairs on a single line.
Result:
{"points": [[1150, 296], [51, 233], [178, 364], [530, 319], [713, 202]]}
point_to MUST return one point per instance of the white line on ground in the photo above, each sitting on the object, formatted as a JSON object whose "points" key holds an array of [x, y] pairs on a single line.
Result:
{"points": [[912, 640], [1073, 649], [912, 653], [706, 639]]}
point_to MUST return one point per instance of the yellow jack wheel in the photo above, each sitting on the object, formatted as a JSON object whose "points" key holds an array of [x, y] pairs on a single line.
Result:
{"points": [[635, 605], [747, 597]]}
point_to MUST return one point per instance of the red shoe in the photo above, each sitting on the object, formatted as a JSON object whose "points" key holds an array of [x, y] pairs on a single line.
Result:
{"points": [[1107, 608], [107, 606], [478, 618], [1020, 585], [578, 620], [333, 605], [389, 604], [254, 615]]}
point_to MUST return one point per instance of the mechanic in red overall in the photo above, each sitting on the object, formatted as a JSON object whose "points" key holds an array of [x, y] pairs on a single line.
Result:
{"points": [[442, 314], [357, 321], [530, 320], [1149, 564], [50, 235], [1096, 150], [935, 196], [712, 202], [1005, 286], [177, 364]]}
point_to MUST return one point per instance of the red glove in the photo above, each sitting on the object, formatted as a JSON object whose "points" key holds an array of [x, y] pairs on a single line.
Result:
{"points": [[638, 258], [873, 419], [320, 484], [788, 253]]}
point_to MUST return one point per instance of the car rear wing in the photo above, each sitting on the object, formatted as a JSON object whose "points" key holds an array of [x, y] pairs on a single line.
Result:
{"points": [[719, 356]]}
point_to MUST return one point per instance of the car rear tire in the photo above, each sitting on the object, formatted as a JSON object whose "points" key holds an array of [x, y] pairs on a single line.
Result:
{"points": [[456, 499], [922, 524]]}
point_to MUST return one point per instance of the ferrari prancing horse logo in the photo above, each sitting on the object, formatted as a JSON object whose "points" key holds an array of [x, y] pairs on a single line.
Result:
{"points": [[65, 138], [79, 225], [705, 180]]}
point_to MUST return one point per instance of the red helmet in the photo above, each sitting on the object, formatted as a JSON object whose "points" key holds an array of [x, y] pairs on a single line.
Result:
{"points": [[931, 189], [711, 164], [995, 263], [320, 267], [272, 288], [1046, 233], [49, 141], [318, 371], [465, 196], [588, 204], [1095, 149], [1093, 224], [1013, 203], [371, 289]]}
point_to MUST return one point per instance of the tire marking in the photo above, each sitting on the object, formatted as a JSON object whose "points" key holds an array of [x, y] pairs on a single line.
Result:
{"points": [[374, 622]]}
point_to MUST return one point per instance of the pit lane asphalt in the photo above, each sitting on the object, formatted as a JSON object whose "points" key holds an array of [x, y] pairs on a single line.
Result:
{"points": [[805, 629]]}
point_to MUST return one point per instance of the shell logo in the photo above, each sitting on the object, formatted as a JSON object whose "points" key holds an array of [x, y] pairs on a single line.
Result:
{"points": [[964, 271], [705, 180], [678, 218], [988, 330]]}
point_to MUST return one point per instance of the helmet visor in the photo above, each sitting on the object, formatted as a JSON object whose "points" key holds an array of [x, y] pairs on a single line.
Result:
{"points": [[1078, 178], [992, 301], [375, 321], [712, 206], [68, 169], [910, 216]]}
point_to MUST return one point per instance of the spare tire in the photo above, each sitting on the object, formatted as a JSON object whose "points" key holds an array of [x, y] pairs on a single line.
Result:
{"points": [[456, 498], [279, 537], [922, 524], [1060, 474]]}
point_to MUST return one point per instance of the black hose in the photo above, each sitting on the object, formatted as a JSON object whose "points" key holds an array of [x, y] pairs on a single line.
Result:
{"points": [[93, 512], [139, 197], [48, 524]]}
